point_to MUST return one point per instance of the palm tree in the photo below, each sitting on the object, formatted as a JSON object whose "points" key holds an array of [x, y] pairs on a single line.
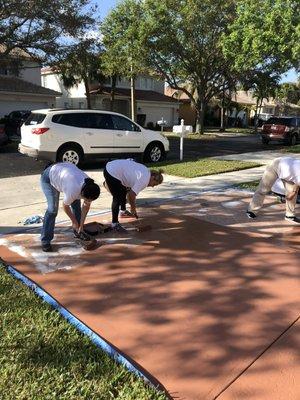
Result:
{"points": [[82, 64]]}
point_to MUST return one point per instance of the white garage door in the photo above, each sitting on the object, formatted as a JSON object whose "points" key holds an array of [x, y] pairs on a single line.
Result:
{"points": [[154, 114], [7, 106]]}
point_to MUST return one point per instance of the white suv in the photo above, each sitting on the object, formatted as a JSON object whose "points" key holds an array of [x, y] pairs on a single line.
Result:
{"points": [[76, 135]]}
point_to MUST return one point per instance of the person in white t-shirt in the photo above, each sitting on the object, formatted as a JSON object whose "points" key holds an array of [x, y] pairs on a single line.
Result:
{"points": [[127, 178], [279, 190], [75, 186], [287, 169]]}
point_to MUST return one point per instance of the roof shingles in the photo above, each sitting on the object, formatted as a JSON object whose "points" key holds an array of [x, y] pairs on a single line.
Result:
{"points": [[142, 95], [17, 85]]}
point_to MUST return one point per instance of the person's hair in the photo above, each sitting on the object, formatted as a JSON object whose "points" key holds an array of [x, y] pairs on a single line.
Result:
{"points": [[90, 190], [157, 175]]}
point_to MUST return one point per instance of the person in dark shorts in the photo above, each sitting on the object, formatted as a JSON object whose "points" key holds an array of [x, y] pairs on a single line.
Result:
{"points": [[127, 178]]}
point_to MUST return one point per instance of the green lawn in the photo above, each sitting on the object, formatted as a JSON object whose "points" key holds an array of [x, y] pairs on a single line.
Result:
{"points": [[292, 149], [202, 167], [247, 185], [212, 132], [44, 358]]}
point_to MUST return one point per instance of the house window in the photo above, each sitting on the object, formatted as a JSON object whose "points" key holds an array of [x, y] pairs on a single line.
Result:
{"points": [[81, 104], [150, 84], [66, 105], [268, 110]]}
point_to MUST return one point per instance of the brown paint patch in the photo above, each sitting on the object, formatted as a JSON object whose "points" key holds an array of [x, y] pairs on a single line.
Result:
{"points": [[194, 303]]}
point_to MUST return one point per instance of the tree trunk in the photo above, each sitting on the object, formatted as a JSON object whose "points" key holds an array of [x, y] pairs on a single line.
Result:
{"points": [[200, 110], [87, 93], [256, 115], [222, 125], [113, 92], [133, 102]]}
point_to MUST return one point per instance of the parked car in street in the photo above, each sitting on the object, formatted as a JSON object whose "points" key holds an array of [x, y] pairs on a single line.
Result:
{"points": [[78, 135], [286, 129], [13, 122], [3, 135]]}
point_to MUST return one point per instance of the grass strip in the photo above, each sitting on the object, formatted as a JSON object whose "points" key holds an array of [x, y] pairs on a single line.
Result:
{"points": [[292, 149], [202, 167], [44, 357], [247, 185]]}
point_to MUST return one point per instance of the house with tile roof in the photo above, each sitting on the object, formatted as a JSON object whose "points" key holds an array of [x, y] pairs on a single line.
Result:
{"points": [[152, 103], [20, 84], [243, 107]]}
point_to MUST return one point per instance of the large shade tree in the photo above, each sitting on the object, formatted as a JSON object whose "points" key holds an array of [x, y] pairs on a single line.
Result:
{"points": [[183, 42], [265, 35], [42, 28]]}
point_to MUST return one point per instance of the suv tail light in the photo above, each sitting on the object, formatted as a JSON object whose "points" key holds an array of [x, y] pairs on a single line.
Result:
{"points": [[39, 131]]}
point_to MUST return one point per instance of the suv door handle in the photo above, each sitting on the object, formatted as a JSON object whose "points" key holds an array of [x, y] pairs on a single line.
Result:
{"points": [[89, 133], [119, 134]]}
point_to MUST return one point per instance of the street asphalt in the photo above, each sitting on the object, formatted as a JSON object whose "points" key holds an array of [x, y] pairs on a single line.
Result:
{"points": [[13, 163]]}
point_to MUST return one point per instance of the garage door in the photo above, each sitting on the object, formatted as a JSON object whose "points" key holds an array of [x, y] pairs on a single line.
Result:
{"points": [[7, 106]]}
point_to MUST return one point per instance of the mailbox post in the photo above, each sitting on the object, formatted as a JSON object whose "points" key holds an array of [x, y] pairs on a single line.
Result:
{"points": [[182, 130], [162, 123]]}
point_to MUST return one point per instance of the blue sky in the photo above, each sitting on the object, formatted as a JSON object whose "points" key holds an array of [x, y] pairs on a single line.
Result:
{"points": [[106, 5]]}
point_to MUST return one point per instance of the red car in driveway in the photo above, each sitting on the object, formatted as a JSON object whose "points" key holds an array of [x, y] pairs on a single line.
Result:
{"points": [[286, 129]]}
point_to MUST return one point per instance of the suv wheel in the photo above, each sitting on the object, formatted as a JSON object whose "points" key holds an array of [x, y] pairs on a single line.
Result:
{"points": [[70, 153], [265, 140], [154, 153], [293, 140]]}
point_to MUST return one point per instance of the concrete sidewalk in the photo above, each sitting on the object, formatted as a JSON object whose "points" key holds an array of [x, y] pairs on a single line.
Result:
{"points": [[21, 197]]}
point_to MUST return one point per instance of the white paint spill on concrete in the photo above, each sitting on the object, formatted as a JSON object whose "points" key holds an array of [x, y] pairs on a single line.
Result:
{"points": [[125, 241], [202, 211], [18, 249], [232, 204]]}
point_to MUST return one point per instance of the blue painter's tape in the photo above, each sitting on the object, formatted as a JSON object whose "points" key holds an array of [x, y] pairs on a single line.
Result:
{"points": [[79, 325]]}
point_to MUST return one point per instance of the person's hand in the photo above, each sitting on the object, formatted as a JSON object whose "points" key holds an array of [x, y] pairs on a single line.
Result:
{"points": [[134, 214]]}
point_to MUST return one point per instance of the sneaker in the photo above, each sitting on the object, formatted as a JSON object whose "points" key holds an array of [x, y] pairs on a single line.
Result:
{"points": [[250, 214], [47, 247], [126, 214], [293, 219], [119, 228]]}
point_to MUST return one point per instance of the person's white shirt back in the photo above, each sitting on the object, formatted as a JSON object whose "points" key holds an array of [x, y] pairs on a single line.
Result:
{"points": [[67, 179], [289, 170], [133, 175]]}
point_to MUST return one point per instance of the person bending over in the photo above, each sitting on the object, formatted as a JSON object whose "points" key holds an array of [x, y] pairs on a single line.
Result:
{"points": [[75, 186], [287, 169], [127, 178]]}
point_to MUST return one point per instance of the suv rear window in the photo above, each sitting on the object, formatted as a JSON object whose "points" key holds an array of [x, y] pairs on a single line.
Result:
{"points": [[280, 121], [78, 120], [35, 119]]}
